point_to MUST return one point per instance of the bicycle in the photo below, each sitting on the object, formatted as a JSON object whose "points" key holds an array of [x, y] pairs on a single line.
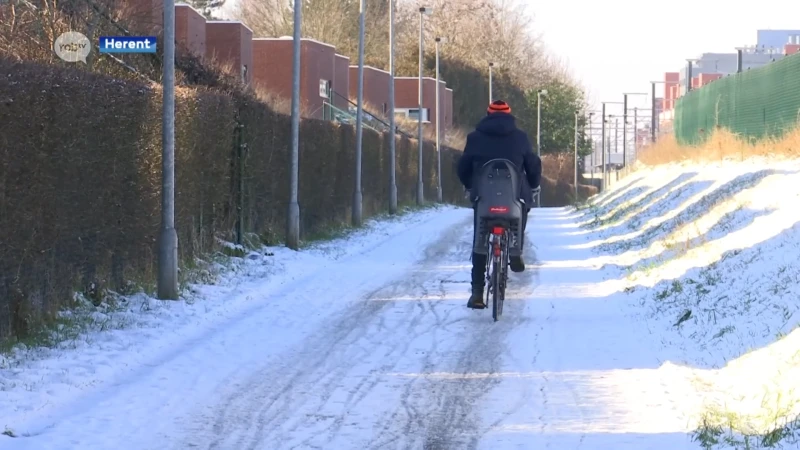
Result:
{"points": [[497, 270], [500, 223]]}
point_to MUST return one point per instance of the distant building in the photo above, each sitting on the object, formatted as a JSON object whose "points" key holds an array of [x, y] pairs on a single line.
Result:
{"points": [[725, 64], [777, 38]]}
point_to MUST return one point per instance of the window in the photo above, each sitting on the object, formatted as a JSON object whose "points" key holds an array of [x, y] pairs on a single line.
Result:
{"points": [[413, 114], [324, 88]]}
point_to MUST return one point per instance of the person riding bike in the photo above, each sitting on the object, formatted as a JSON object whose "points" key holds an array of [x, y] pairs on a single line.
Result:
{"points": [[497, 136]]}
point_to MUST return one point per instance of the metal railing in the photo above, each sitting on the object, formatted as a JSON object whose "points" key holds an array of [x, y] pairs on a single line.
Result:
{"points": [[334, 113]]}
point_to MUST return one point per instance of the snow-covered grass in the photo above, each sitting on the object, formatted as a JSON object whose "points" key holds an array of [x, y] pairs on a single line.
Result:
{"points": [[88, 344], [711, 256]]}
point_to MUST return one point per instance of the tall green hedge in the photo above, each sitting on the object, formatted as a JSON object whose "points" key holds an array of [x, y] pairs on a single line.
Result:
{"points": [[80, 179]]}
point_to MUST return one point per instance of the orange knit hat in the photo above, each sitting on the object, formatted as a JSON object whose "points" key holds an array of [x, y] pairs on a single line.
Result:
{"points": [[499, 106]]}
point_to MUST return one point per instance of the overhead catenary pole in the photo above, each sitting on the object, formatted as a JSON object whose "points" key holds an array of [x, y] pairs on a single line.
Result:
{"points": [[357, 195], [603, 149], [168, 238], [608, 159], [635, 133], [653, 113], [392, 125], [625, 127], [293, 216], [616, 145], [624, 130]]}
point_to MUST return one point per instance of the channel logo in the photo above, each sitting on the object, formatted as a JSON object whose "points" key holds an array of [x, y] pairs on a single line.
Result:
{"points": [[127, 44], [72, 46]]}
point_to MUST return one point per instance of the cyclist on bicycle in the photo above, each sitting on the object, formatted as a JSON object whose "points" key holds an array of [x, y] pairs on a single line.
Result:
{"points": [[497, 136]]}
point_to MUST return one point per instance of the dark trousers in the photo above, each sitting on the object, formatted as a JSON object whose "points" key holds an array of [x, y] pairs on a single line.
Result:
{"points": [[478, 260]]}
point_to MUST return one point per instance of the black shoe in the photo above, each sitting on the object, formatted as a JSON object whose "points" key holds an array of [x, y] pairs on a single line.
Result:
{"points": [[517, 264], [476, 300]]}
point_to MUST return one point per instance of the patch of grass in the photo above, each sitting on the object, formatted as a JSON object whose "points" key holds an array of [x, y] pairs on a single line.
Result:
{"points": [[69, 324], [719, 429], [234, 251], [329, 232], [721, 145], [581, 204], [80, 315]]}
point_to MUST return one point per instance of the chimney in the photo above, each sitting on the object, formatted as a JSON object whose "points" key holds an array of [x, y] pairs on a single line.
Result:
{"points": [[739, 60]]}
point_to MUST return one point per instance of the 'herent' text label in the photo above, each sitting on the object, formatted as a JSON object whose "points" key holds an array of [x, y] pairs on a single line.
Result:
{"points": [[127, 44]]}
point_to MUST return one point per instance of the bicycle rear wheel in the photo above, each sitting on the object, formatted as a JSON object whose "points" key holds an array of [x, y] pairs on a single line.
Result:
{"points": [[497, 299], [496, 270], [502, 268]]}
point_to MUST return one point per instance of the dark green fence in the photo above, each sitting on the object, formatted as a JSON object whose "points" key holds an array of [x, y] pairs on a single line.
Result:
{"points": [[755, 104]]}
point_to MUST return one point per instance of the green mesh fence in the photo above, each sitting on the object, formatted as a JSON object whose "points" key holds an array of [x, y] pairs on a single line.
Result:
{"points": [[755, 104]]}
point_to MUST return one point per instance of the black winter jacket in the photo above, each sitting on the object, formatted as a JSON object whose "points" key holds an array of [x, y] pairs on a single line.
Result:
{"points": [[497, 136]]}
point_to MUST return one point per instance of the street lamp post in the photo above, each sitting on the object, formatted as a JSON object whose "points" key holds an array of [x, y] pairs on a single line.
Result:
{"points": [[575, 179], [539, 94], [357, 195], [591, 140], [392, 126], [491, 98], [293, 216], [423, 11], [438, 117], [168, 237]]}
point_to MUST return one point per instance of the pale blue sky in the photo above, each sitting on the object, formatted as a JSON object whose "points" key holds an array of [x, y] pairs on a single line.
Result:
{"points": [[617, 46]]}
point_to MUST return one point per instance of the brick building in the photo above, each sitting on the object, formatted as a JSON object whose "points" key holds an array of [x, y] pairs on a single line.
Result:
{"points": [[326, 77], [406, 99], [190, 29], [448, 108], [272, 72], [341, 82], [376, 89], [230, 44]]}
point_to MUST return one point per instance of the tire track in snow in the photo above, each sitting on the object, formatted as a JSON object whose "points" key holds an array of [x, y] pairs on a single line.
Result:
{"points": [[450, 419], [321, 363], [319, 396]]}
